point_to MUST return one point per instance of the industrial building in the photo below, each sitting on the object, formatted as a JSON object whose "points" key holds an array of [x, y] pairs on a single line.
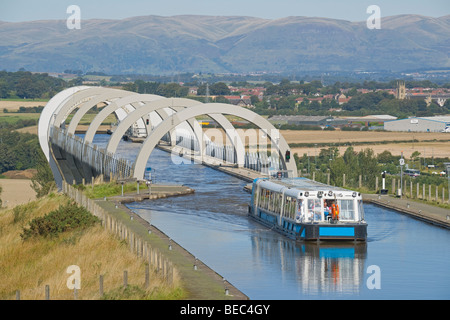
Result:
{"points": [[422, 124], [323, 121]]}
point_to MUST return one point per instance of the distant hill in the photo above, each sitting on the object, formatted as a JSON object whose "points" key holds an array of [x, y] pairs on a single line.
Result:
{"points": [[165, 45]]}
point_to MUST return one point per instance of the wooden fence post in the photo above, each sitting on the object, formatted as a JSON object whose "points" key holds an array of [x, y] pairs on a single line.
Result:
{"points": [[147, 275], [417, 193], [410, 189], [101, 285], [47, 292], [125, 279]]}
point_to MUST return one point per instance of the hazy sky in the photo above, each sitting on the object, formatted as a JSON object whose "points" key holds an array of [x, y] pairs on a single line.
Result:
{"points": [[353, 10]]}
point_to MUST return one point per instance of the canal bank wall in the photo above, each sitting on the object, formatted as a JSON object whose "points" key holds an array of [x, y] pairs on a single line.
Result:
{"points": [[170, 260], [431, 214]]}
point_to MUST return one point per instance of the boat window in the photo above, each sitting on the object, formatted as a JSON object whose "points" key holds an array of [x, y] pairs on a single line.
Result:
{"points": [[299, 215], [293, 209], [346, 209], [278, 201], [314, 210], [272, 201], [290, 207], [266, 199], [263, 198]]}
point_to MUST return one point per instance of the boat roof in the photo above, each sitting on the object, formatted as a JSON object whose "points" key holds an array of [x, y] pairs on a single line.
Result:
{"points": [[304, 184]]}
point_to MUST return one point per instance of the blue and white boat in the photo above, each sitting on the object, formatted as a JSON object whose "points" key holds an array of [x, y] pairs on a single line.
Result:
{"points": [[303, 209]]}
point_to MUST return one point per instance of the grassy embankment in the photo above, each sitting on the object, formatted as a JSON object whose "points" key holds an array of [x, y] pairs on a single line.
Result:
{"points": [[29, 265]]}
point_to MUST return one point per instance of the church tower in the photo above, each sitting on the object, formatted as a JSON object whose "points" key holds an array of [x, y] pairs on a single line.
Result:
{"points": [[400, 93]]}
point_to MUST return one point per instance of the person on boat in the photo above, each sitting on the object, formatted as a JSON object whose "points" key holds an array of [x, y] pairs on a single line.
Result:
{"points": [[310, 209], [327, 209], [299, 215], [335, 211]]}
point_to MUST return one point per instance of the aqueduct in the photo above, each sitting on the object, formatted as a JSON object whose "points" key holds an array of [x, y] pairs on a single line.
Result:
{"points": [[73, 158]]}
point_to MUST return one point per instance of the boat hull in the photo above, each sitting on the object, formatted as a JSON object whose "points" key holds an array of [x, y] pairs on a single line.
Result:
{"points": [[314, 231]]}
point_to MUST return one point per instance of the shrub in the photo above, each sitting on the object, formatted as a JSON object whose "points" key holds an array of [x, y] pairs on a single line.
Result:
{"points": [[66, 217], [21, 211]]}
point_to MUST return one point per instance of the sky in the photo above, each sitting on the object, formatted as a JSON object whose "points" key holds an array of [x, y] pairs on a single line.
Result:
{"points": [[352, 10]]}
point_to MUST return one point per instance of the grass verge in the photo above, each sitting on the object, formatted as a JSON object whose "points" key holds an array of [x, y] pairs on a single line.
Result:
{"points": [[29, 265], [109, 189]]}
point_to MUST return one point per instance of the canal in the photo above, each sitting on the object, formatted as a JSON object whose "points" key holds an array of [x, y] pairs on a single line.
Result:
{"points": [[403, 258]]}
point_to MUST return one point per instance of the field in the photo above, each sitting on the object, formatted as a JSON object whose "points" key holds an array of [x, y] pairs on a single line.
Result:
{"points": [[338, 136], [14, 105], [302, 141], [13, 117], [427, 143], [16, 191]]}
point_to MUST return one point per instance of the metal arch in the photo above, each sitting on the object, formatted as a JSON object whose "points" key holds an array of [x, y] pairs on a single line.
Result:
{"points": [[105, 112], [210, 108], [157, 106], [141, 112], [177, 103], [47, 116], [75, 100], [88, 105]]}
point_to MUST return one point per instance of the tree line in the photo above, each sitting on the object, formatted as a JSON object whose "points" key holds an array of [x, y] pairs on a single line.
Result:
{"points": [[27, 85], [18, 151], [364, 163]]}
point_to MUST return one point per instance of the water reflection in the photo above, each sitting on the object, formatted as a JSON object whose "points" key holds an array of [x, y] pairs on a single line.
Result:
{"points": [[317, 268]]}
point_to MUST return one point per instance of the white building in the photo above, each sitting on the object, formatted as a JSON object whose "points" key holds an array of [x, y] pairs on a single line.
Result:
{"points": [[419, 124]]}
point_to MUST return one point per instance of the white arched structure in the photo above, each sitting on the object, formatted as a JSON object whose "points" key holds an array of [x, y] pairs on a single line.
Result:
{"points": [[106, 97], [48, 115], [131, 108], [152, 140], [179, 104], [113, 107], [157, 104], [76, 100]]}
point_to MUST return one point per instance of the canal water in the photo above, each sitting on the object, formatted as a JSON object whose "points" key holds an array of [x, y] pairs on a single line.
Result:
{"points": [[403, 258]]}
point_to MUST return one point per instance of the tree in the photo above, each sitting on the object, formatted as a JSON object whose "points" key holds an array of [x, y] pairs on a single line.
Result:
{"points": [[337, 171], [219, 89], [351, 163], [368, 166], [385, 157], [254, 99], [415, 156], [3, 89], [43, 181]]}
